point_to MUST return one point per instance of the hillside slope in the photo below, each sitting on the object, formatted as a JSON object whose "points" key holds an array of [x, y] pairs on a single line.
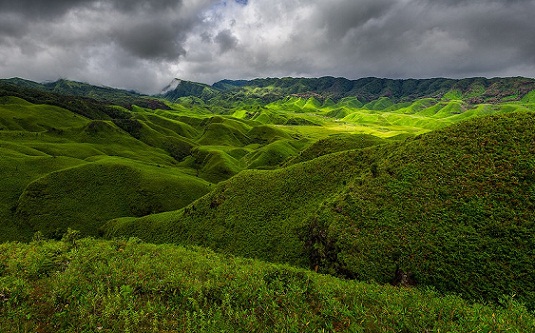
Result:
{"points": [[453, 208], [92, 285]]}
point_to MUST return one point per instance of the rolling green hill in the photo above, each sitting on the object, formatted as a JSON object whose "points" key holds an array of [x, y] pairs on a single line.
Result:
{"points": [[62, 169], [86, 196], [432, 179]]}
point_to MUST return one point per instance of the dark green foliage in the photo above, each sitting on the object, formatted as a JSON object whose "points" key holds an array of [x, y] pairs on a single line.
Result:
{"points": [[132, 126], [178, 148], [85, 285], [187, 89], [453, 207], [255, 213], [123, 98], [84, 106]]}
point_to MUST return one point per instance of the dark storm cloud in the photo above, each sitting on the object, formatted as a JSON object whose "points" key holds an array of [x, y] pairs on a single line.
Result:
{"points": [[226, 40], [11, 26], [42, 9], [145, 5], [152, 40], [101, 41], [341, 17], [142, 44], [155, 36], [37, 9]]}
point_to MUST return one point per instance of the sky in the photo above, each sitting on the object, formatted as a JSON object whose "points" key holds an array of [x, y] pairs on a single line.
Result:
{"points": [[143, 44]]}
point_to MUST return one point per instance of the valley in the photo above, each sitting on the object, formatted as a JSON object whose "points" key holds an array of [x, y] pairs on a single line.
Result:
{"points": [[313, 186]]}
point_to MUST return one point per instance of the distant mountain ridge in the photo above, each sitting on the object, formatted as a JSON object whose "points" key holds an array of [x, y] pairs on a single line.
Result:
{"points": [[107, 95], [473, 90]]}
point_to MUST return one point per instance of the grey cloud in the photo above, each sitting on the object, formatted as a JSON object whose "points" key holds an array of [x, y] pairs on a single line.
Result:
{"points": [[339, 18], [11, 27], [145, 5], [37, 9], [75, 38], [226, 40], [424, 38], [142, 44], [152, 40], [388, 38], [206, 37]]}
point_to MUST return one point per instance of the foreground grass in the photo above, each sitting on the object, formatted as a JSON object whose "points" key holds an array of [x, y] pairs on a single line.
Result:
{"points": [[109, 286]]}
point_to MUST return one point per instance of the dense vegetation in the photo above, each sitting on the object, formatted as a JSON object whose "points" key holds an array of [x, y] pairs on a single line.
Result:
{"points": [[423, 183], [126, 286]]}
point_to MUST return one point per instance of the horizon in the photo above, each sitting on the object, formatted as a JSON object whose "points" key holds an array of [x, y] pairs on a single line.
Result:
{"points": [[263, 78]]}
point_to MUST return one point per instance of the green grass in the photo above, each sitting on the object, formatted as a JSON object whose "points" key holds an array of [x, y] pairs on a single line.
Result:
{"points": [[336, 143], [18, 170], [20, 115], [64, 170], [454, 207], [272, 155], [110, 286], [215, 164], [255, 213]]}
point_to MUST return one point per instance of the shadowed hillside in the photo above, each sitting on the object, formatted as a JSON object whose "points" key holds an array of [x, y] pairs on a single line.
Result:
{"points": [[474, 90]]}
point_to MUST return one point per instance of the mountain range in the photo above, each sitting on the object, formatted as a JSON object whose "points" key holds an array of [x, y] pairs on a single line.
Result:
{"points": [[475, 90]]}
